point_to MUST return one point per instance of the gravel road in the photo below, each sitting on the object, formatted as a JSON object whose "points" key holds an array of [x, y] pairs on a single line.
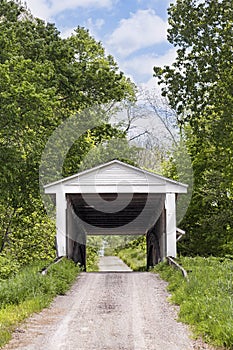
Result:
{"points": [[107, 310], [112, 263]]}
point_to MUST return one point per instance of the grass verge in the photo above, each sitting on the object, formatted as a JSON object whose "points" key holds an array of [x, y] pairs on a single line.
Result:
{"points": [[206, 301], [29, 292], [134, 254]]}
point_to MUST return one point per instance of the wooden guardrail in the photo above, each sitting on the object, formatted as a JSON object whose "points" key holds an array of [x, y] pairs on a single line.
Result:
{"points": [[44, 271], [179, 234], [173, 263]]}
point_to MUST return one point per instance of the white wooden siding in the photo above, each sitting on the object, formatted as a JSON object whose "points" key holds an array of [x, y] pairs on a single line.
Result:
{"points": [[116, 177]]}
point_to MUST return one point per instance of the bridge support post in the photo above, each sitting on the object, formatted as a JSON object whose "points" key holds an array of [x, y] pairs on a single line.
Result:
{"points": [[61, 223], [155, 242], [170, 205], [79, 254], [76, 238], [152, 247]]}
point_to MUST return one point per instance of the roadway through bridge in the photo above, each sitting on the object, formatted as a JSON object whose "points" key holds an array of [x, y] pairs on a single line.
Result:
{"points": [[107, 311]]}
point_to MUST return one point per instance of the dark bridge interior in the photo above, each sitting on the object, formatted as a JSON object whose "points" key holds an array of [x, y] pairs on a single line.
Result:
{"points": [[125, 214], [115, 214]]}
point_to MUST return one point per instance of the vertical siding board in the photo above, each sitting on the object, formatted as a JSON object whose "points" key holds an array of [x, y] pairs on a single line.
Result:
{"points": [[117, 174]]}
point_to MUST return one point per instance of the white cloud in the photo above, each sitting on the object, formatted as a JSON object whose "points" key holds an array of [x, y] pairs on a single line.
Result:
{"points": [[144, 28], [60, 5], [143, 65], [96, 24], [92, 25], [66, 32], [167, 59], [151, 85], [39, 9], [46, 9]]}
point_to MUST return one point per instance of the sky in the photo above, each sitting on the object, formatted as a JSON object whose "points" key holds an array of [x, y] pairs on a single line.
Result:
{"points": [[134, 32]]}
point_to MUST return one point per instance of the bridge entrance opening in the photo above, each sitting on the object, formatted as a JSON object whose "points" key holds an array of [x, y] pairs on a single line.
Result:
{"points": [[132, 215]]}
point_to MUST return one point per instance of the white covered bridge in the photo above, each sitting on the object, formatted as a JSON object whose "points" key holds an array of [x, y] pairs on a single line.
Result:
{"points": [[116, 199]]}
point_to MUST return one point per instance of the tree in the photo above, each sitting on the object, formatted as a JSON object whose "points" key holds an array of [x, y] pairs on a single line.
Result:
{"points": [[44, 80], [151, 127], [199, 87]]}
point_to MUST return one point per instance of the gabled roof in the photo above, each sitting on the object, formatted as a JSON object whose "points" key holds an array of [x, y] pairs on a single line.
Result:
{"points": [[116, 173]]}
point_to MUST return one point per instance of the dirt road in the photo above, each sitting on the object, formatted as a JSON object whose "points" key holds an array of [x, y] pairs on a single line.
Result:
{"points": [[107, 310], [112, 263]]}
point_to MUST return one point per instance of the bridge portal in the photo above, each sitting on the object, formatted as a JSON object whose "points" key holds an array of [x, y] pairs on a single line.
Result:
{"points": [[116, 198]]}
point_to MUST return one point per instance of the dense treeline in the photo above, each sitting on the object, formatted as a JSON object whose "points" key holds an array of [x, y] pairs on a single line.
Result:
{"points": [[44, 80], [198, 86]]}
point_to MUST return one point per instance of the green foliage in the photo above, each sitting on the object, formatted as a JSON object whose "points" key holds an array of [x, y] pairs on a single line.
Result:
{"points": [[34, 240], [94, 147], [134, 254], [114, 243], [8, 266], [202, 71], [199, 87], [30, 291], [45, 79], [206, 300], [92, 258]]}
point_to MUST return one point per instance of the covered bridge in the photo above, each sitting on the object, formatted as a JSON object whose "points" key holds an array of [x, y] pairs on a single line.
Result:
{"points": [[116, 198]]}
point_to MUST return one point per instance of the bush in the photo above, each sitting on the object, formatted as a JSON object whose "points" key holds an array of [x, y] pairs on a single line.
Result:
{"points": [[8, 267], [92, 258]]}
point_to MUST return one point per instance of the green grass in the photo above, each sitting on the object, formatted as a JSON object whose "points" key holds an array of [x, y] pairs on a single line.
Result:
{"points": [[134, 254], [30, 291], [206, 301], [134, 259]]}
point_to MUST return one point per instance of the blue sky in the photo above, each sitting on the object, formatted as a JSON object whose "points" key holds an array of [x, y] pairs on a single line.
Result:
{"points": [[133, 31]]}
